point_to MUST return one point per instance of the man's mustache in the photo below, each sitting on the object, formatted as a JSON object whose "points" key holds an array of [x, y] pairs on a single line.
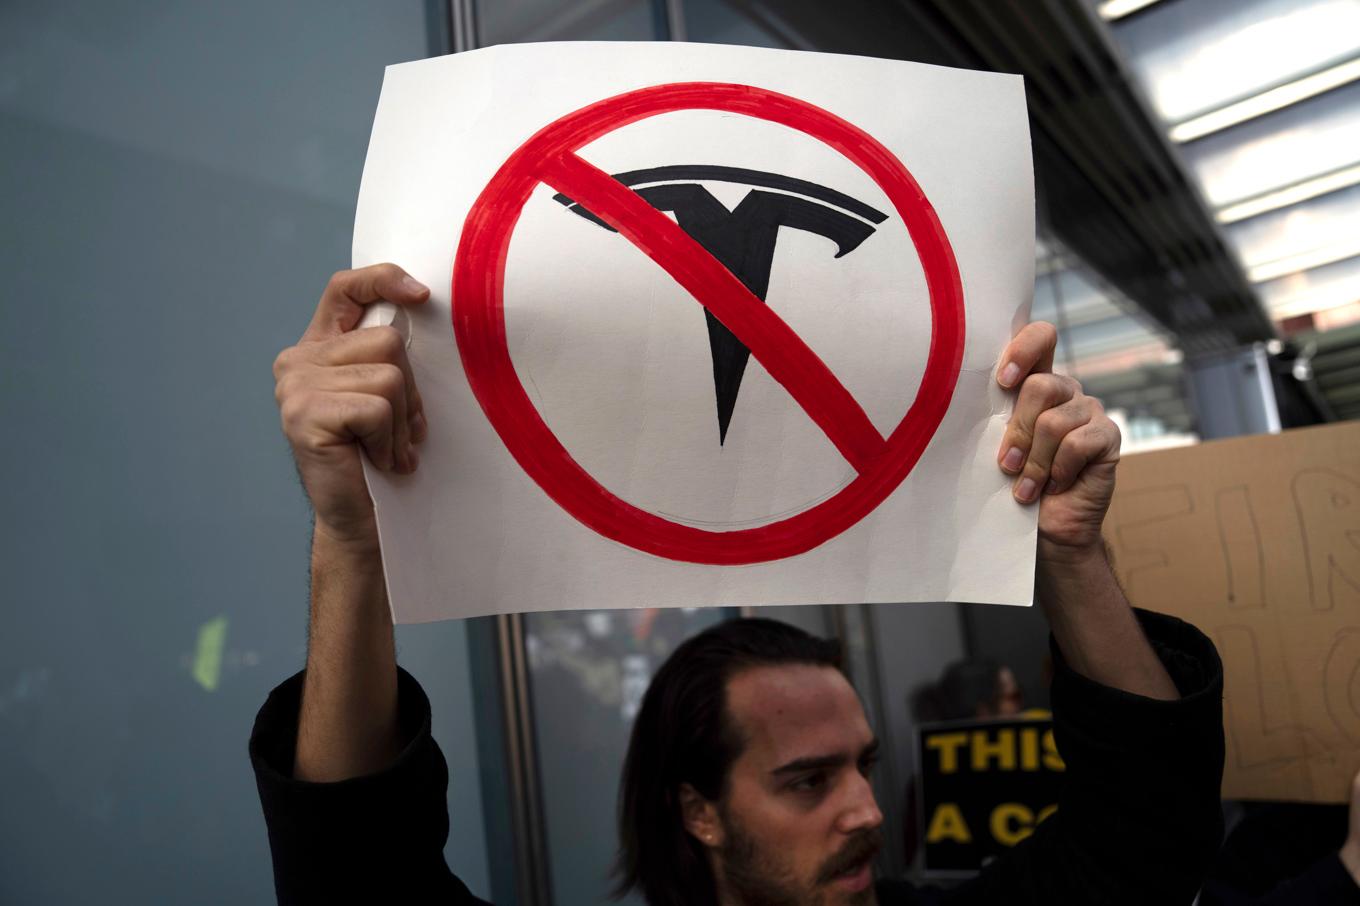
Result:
{"points": [[858, 849]]}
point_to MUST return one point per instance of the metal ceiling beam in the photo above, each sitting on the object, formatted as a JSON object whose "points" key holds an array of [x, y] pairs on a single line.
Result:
{"points": [[1111, 185]]}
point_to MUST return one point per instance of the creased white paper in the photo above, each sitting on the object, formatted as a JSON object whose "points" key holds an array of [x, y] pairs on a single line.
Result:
{"points": [[615, 358]]}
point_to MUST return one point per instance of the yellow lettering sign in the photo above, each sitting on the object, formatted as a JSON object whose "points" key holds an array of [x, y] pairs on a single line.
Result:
{"points": [[948, 745], [1029, 749], [1002, 750], [1052, 760], [1011, 823], [947, 824]]}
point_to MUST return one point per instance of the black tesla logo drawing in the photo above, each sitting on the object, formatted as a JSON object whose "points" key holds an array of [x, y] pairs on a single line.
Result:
{"points": [[743, 239]]}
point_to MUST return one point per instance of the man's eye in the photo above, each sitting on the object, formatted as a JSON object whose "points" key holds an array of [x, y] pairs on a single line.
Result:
{"points": [[809, 783], [866, 767]]}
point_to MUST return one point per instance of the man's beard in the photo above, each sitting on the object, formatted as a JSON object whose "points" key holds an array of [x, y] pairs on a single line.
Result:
{"points": [[758, 879]]}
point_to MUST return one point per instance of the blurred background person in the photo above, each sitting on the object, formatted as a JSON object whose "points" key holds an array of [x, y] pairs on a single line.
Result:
{"points": [[969, 688]]}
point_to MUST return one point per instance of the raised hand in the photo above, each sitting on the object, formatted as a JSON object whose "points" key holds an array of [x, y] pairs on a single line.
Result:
{"points": [[1060, 445], [342, 390]]}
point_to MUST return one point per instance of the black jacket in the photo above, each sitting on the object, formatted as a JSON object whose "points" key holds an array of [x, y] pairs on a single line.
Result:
{"points": [[1138, 819], [1324, 883]]}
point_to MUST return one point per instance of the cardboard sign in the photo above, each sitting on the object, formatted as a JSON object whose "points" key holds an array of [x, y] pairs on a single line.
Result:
{"points": [[1256, 541], [984, 787], [709, 326]]}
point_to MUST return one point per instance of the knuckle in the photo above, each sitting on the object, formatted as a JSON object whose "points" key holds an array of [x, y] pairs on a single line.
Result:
{"points": [[1031, 392], [1077, 411], [390, 380], [1044, 390], [389, 342], [367, 406], [1084, 446], [293, 412], [284, 388], [380, 410], [338, 281], [284, 360], [1058, 388], [1050, 422]]}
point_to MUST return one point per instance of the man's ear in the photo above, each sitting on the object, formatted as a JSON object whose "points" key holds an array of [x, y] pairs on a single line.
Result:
{"points": [[700, 817]]}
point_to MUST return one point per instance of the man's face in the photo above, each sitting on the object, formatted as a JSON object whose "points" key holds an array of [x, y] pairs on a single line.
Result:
{"points": [[799, 821]]}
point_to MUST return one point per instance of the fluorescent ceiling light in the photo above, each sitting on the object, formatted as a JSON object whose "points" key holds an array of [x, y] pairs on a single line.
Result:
{"points": [[1237, 49], [1289, 264], [1302, 191], [1309, 302], [1118, 9], [1266, 101]]}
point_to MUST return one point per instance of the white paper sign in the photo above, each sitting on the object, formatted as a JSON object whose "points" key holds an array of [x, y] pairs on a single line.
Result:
{"points": [[753, 367]]}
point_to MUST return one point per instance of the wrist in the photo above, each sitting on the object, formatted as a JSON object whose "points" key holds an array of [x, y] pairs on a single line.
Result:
{"points": [[347, 576], [1060, 561], [357, 545], [1072, 555], [349, 606]]}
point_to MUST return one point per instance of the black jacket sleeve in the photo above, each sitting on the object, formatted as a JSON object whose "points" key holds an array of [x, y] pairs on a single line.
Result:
{"points": [[1139, 817], [378, 838], [1327, 883]]}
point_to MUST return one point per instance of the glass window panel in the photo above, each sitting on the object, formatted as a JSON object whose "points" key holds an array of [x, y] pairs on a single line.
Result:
{"points": [[515, 21], [1308, 139], [588, 671], [1108, 335], [1098, 336], [1082, 300], [717, 22], [246, 92], [1196, 57], [178, 183]]}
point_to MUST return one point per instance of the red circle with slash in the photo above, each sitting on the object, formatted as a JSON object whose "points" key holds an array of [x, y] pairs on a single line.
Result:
{"points": [[550, 157]]}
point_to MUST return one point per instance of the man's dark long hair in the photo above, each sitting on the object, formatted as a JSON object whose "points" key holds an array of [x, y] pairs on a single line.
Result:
{"points": [[682, 735]]}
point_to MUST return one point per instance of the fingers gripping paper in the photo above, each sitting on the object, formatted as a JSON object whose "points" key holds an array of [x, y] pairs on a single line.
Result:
{"points": [[708, 325]]}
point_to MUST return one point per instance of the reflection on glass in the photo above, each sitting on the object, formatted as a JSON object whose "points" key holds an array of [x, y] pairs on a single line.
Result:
{"points": [[720, 22], [1097, 335], [588, 671], [518, 21]]}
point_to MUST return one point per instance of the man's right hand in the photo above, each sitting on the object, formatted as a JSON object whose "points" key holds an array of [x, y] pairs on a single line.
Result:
{"points": [[342, 390]]}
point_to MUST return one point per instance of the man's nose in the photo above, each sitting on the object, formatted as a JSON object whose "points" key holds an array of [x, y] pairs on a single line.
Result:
{"points": [[861, 808]]}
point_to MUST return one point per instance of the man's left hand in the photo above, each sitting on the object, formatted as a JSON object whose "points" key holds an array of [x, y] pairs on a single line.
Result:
{"points": [[1060, 445]]}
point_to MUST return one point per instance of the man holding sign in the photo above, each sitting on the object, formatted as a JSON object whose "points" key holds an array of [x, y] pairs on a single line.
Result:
{"points": [[746, 777], [602, 248]]}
